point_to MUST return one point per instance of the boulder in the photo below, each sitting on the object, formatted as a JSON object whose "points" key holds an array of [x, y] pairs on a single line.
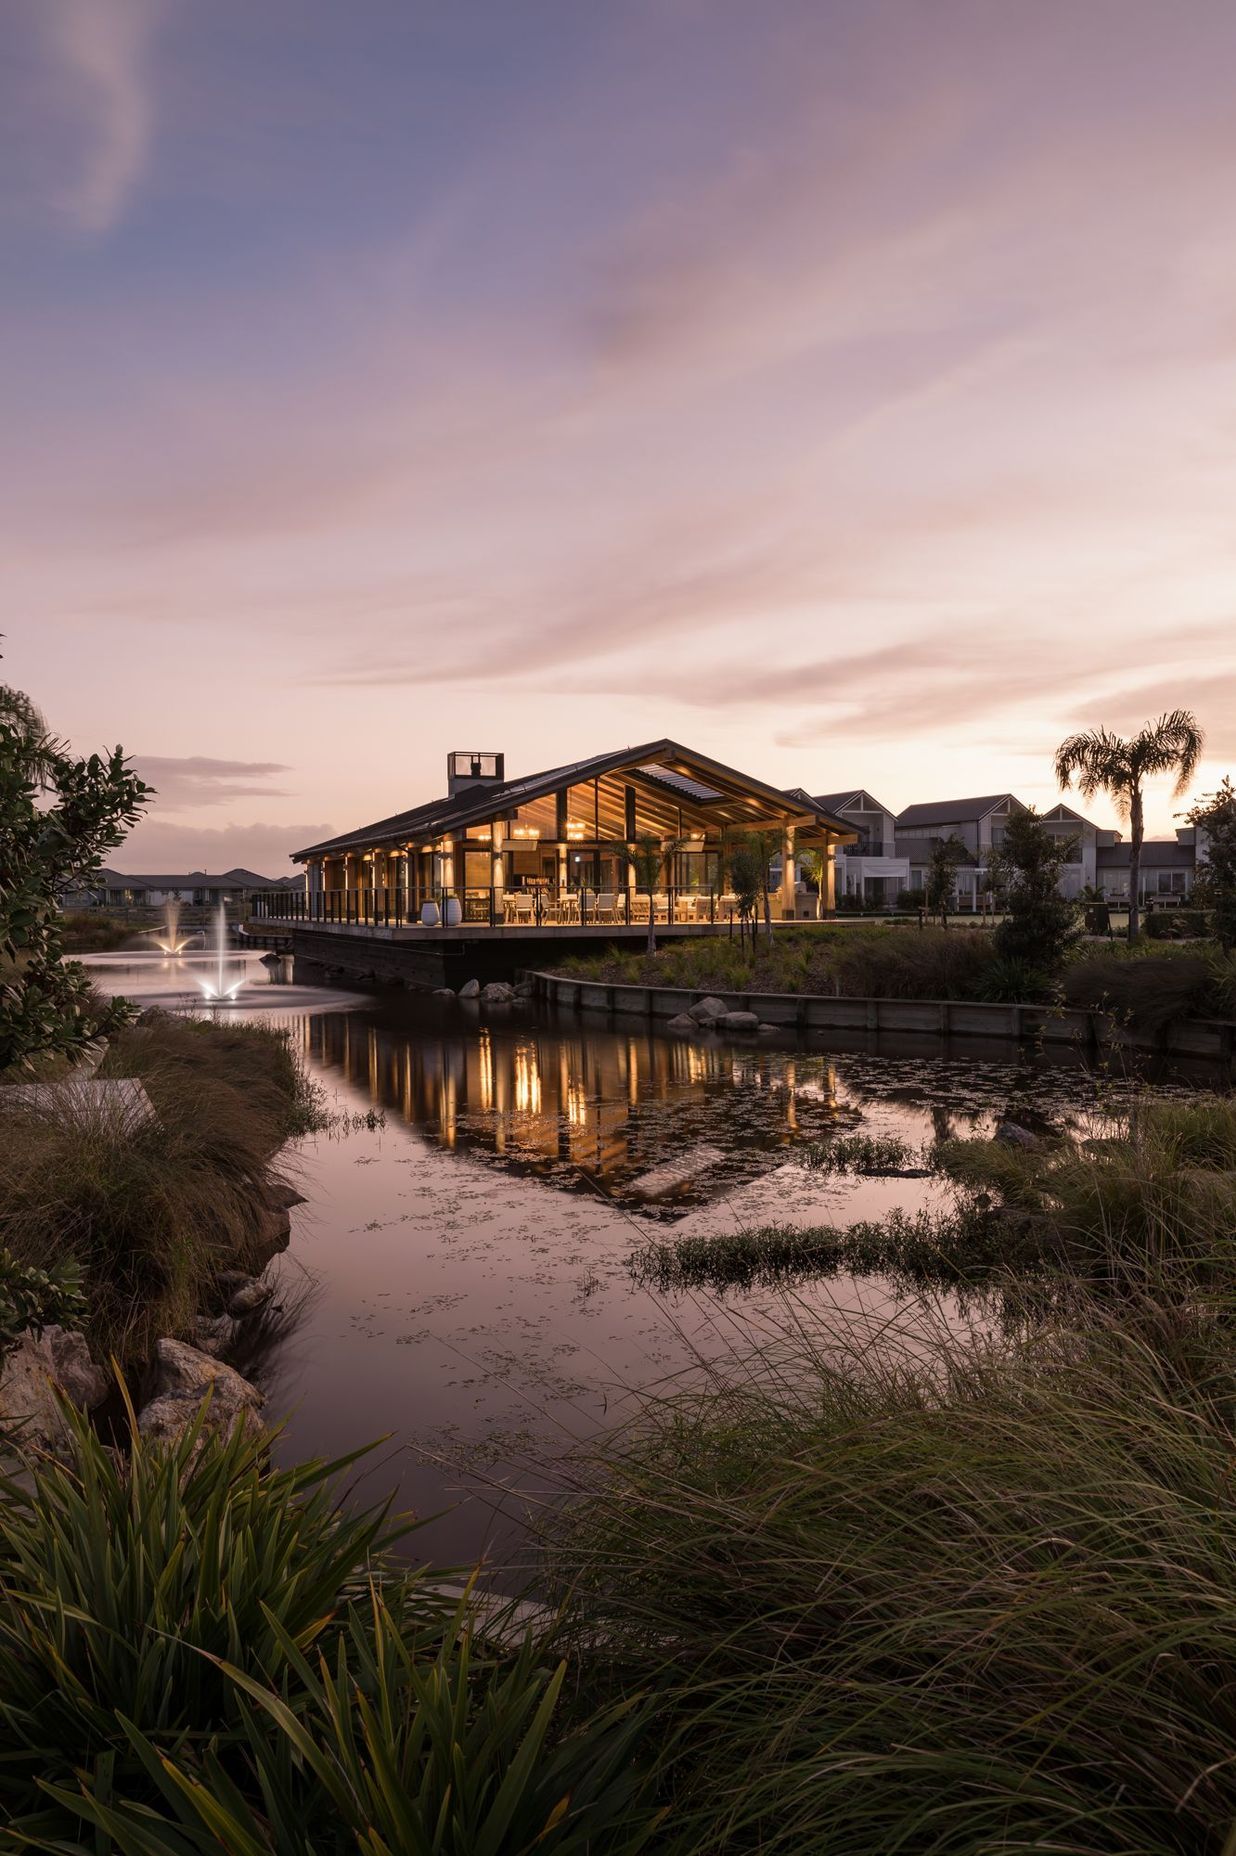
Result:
{"points": [[281, 1196], [250, 1296], [682, 1021], [1012, 1134], [471, 989], [77, 1375], [765, 1030], [737, 1021], [183, 1377], [180, 1368], [705, 1011], [212, 1334], [498, 993], [525, 989], [444, 992], [33, 1373]]}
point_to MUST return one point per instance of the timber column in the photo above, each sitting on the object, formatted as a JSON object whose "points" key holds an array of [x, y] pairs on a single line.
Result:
{"points": [[789, 894]]}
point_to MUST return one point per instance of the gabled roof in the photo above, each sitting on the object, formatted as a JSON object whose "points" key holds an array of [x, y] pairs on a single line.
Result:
{"points": [[187, 879], [476, 804], [1157, 854], [858, 797], [946, 811]]}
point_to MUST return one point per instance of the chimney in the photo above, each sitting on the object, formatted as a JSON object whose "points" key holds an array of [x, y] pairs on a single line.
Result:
{"points": [[473, 769]]}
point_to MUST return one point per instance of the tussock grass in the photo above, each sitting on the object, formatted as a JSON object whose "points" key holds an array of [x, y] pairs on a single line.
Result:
{"points": [[867, 1155], [982, 1603], [884, 962], [1150, 987], [153, 1210]]}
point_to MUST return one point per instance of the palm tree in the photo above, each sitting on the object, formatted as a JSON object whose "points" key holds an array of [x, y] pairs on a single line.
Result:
{"points": [[1102, 762]]}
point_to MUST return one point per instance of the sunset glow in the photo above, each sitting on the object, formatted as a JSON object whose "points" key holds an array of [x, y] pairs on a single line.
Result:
{"points": [[840, 386]]}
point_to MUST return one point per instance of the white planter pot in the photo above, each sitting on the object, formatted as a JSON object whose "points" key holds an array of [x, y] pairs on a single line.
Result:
{"points": [[429, 914], [452, 913]]}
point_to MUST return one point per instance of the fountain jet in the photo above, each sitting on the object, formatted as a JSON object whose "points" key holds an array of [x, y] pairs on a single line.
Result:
{"points": [[221, 988], [168, 939]]}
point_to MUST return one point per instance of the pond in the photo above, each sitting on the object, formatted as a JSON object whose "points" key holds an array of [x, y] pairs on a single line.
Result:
{"points": [[462, 1265]]}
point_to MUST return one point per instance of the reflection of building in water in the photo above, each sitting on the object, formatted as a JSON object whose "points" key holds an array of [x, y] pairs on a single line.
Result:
{"points": [[605, 1104]]}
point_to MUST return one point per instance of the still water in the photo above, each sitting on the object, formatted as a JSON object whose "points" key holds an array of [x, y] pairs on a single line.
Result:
{"points": [[464, 1262]]}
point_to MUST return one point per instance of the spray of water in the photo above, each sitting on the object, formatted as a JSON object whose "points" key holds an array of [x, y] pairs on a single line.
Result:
{"points": [[222, 985], [168, 939]]}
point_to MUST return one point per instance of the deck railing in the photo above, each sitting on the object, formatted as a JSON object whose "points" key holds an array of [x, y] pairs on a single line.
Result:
{"points": [[491, 908]]}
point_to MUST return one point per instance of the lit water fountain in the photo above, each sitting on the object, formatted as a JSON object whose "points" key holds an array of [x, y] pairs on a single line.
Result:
{"points": [[168, 939], [223, 985]]}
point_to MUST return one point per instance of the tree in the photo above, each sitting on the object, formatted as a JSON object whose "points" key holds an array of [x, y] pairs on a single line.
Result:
{"points": [[1214, 819], [1100, 761], [58, 817], [647, 857], [1040, 925], [766, 845], [946, 856], [748, 872]]}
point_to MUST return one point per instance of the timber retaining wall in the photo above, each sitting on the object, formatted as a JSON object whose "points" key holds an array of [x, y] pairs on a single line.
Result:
{"points": [[1212, 1039]]}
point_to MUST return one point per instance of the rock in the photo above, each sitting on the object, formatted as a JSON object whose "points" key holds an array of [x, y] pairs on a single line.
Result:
{"points": [[253, 1295], [33, 1372], [498, 993], [78, 1376], [443, 992], [180, 1368], [280, 1196], [212, 1334], [471, 989], [184, 1375], [737, 1021], [682, 1021], [1012, 1134], [526, 989], [166, 1418], [764, 1029], [704, 1011]]}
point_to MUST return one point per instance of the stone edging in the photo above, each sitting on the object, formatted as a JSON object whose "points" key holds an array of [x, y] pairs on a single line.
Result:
{"points": [[1191, 1037]]}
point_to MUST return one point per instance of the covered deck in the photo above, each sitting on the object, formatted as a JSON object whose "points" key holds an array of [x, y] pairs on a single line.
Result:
{"points": [[568, 849]]}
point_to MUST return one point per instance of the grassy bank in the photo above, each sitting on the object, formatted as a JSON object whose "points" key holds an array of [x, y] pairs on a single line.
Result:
{"points": [[90, 931], [1148, 985], [154, 1209], [983, 1604]]}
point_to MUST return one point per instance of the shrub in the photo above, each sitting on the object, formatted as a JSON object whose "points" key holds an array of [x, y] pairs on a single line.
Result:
{"points": [[32, 1299], [1041, 925]]}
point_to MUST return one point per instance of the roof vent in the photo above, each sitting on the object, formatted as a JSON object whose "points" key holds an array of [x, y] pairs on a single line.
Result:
{"points": [[473, 769]]}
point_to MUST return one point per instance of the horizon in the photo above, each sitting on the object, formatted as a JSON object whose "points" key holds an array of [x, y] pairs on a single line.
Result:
{"points": [[838, 390]]}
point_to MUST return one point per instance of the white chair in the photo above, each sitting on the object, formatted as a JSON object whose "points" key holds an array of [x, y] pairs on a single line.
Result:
{"points": [[605, 906], [523, 907]]}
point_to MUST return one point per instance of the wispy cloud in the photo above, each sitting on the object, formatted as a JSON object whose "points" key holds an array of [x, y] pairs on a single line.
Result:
{"points": [[170, 845], [197, 780], [105, 49]]}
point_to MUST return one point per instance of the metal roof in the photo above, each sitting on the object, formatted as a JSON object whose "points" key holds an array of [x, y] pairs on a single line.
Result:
{"points": [[945, 811], [1157, 853], [475, 804]]}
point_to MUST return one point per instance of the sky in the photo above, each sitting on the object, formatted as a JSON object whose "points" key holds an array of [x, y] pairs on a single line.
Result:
{"points": [[844, 388]]}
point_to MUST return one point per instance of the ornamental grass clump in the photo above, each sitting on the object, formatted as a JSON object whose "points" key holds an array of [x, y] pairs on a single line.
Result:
{"points": [[957, 1601], [198, 1653]]}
